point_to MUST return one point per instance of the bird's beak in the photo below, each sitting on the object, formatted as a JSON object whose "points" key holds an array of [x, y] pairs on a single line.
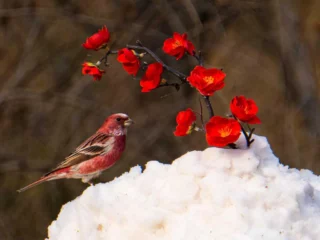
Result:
{"points": [[128, 122]]}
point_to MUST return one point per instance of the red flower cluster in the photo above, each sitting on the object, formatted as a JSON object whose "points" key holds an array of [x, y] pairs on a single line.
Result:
{"points": [[245, 110], [219, 131], [152, 77], [185, 122], [206, 81], [97, 40], [178, 45], [222, 131], [89, 68], [129, 60]]}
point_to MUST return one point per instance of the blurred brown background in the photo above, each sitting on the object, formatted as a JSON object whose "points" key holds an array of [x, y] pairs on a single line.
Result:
{"points": [[270, 50]]}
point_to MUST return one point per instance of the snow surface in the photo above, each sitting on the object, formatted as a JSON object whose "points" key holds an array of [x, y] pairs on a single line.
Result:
{"points": [[217, 194]]}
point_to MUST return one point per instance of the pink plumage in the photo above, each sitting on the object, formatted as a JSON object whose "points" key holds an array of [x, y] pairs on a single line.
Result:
{"points": [[98, 153]]}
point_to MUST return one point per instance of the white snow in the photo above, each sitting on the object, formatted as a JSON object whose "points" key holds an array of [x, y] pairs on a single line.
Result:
{"points": [[216, 194]]}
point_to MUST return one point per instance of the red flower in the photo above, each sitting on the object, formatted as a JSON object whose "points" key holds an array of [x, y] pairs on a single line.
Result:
{"points": [[130, 62], [178, 45], [222, 131], [185, 122], [206, 81], [89, 68], [97, 40], [152, 77], [244, 109]]}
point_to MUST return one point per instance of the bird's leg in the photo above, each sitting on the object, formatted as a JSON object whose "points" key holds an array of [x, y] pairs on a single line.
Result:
{"points": [[87, 180]]}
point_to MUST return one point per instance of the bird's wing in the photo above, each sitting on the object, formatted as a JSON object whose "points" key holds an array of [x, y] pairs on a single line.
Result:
{"points": [[97, 144]]}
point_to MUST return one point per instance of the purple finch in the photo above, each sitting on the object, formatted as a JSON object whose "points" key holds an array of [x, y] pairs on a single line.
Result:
{"points": [[98, 153]]}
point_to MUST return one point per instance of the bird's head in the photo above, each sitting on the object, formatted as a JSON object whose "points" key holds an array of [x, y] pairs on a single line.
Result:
{"points": [[116, 124]]}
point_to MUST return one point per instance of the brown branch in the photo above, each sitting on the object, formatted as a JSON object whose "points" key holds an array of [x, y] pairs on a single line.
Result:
{"points": [[198, 57], [175, 72], [206, 98], [201, 114], [209, 106], [247, 137], [175, 85], [105, 57]]}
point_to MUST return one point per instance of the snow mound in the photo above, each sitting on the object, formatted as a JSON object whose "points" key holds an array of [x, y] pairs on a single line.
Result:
{"points": [[217, 194]]}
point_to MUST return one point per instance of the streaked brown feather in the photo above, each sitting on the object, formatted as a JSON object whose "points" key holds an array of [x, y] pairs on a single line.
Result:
{"points": [[96, 145], [93, 140]]}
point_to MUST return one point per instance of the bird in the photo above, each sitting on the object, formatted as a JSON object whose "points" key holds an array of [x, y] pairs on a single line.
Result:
{"points": [[96, 154]]}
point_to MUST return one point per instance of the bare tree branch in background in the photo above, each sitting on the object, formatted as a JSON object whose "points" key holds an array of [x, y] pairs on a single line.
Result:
{"points": [[46, 104]]}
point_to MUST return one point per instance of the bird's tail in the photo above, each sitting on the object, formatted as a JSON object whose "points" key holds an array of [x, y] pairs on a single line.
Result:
{"points": [[41, 180]]}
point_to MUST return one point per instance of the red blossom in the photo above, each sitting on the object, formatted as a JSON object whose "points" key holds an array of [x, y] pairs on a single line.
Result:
{"points": [[185, 122], [152, 77], [244, 109], [206, 81], [178, 45], [97, 40], [222, 131], [130, 62], [89, 68]]}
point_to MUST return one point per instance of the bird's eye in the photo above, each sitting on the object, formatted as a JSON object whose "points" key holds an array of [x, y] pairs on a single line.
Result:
{"points": [[118, 119]]}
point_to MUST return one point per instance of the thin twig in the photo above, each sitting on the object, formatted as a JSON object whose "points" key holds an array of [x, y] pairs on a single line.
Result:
{"points": [[248, 126], [105, 57], [201, 113], [198, 57], [209, 106], [175, 85], [247, 137], [251, 131]]}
